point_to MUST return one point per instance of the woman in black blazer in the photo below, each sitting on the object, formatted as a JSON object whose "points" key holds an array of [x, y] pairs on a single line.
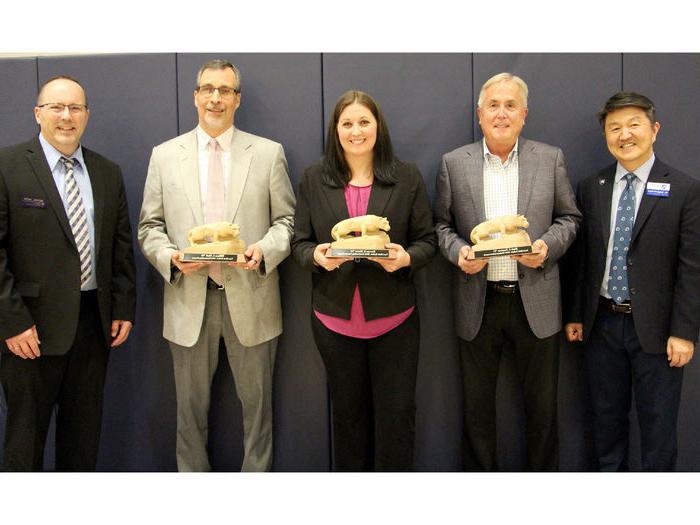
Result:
{"points": [[364, 318]]}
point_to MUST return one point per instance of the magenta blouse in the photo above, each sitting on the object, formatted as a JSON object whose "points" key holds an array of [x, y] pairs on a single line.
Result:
{"points": [[356, 199]]}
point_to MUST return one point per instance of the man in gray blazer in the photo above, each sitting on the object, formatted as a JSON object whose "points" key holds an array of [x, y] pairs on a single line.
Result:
{"points": [[507, 303], [219, 173]]}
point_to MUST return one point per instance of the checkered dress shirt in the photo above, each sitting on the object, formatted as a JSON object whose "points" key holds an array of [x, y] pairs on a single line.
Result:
{"points": [[501, 198]]}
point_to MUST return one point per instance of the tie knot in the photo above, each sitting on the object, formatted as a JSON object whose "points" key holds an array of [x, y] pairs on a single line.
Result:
{"points": [[213, 145], [68, 163], [630, 178]]}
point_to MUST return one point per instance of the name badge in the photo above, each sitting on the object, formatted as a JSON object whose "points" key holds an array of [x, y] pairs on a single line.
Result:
{"points": [[29, 202], [658, 189]]}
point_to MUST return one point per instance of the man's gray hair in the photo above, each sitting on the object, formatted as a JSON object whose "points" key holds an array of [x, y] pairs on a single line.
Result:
{"points": [[504, 77], [220, 64]]}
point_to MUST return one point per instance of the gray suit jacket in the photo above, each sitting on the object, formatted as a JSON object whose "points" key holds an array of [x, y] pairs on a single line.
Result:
{"points": [[259, 198], [545, 197]]}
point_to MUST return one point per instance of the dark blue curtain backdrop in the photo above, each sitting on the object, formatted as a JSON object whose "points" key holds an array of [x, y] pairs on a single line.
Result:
{"points": [[140, 100]]}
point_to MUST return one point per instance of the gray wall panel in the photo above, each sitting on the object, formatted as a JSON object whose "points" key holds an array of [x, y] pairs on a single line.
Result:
{"points": [[280, 100], [673, 83], [426, 99], [565, 92], [18, 91], [132, 108]]}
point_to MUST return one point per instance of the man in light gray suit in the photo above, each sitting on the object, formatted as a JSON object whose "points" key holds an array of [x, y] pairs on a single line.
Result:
{"points": [[219, 173], [507, 303]]}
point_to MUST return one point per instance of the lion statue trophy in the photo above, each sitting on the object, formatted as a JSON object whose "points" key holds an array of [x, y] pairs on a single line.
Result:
{"points": [[216, 241], [504, 235], [361, 237]]}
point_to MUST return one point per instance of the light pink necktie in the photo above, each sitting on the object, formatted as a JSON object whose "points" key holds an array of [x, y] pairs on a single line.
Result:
{"points": [[214, 207]]}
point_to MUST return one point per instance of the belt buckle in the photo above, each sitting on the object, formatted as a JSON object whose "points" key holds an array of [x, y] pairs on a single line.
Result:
{"points": [[505, 287], [623, 308]]}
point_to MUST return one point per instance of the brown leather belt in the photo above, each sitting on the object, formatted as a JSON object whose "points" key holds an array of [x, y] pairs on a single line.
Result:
{"points": [[507, 287], [622, 308]]}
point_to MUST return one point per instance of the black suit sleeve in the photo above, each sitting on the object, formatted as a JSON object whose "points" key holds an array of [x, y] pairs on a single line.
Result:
{"points": [[573, 269], [304, 241], [686, 293], [123, 271], [14, 315], [421, 232]]}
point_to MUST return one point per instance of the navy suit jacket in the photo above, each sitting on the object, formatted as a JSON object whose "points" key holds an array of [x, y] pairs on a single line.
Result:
{"points": [[663, 260]]}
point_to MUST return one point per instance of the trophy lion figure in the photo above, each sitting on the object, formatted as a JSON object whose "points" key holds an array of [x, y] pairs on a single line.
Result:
{"points": [[363, 224], [505, 225], [213, 232]]}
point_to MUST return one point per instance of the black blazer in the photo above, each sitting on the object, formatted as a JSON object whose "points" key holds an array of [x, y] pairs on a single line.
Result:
{"points": [[663, 261], [405, 204], [39, 262]]}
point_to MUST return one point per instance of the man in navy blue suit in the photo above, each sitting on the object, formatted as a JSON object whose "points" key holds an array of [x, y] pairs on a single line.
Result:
{"points": [[635, 287]]}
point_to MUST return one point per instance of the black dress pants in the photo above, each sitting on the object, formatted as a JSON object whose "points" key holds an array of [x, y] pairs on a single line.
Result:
{"points": [[617, 366], [505, 328], [74, 382], [372, 384]]}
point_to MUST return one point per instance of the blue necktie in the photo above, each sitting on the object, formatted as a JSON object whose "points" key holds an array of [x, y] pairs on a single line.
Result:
{"points": [[624, 223]]}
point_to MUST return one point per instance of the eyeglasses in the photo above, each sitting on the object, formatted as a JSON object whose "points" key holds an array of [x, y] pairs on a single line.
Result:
{"points": [[58, 108], [224, 91]]}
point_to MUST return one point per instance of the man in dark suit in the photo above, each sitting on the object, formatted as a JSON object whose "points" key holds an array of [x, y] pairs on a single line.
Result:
{"points": [[67, 289], [507, 303], [635, 287]]}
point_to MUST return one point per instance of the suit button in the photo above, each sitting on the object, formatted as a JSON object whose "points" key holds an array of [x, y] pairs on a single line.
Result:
{"points": [[521, 276], [228, 277], [633, 291]]}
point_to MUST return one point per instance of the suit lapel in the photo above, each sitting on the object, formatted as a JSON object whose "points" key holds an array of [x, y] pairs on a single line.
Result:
{"points": [[189, 165], [37, 160], [98, 194], [378, 198], [659, 173], [528, 166], [473, 168], [241, 157], [336, 201], [603, 196]]}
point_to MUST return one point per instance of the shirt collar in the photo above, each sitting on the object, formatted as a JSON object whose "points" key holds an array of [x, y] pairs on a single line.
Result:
{"points": [[53, 156], [642, 172], [511, 155], [224, 139]]}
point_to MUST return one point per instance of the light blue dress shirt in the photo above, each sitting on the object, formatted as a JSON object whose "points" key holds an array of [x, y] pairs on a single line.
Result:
{"points": [[53, 157]]}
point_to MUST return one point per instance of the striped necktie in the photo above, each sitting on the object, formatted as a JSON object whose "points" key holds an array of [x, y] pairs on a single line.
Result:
{"points": [[77, 217]]}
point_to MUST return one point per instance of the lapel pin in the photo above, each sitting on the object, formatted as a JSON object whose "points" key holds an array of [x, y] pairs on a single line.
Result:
{"points": [[601, 181]]}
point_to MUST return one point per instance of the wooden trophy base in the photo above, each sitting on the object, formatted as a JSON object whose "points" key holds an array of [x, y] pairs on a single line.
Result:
{"points": [[363, 247], [219, 251], [509, 244]]}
